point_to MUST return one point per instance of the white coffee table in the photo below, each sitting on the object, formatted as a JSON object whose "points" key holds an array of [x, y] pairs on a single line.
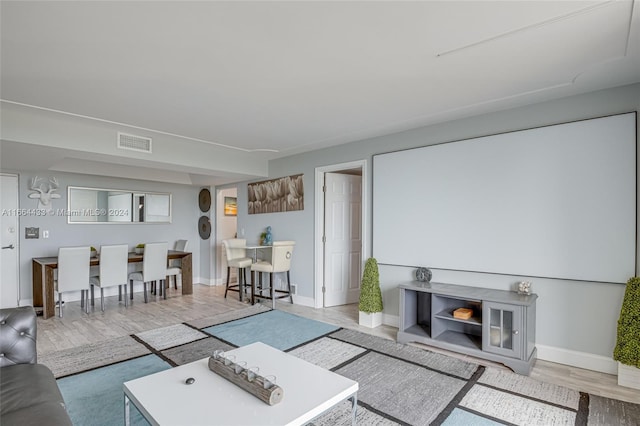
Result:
{"points": [[165, 399]]}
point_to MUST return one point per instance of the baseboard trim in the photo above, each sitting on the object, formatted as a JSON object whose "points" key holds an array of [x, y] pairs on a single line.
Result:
{"points": [[206, 281], [584, 360], [391, 320], [304, 301]]}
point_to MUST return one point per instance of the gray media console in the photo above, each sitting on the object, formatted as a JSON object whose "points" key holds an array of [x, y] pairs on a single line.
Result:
{"points": [[501, 328]]}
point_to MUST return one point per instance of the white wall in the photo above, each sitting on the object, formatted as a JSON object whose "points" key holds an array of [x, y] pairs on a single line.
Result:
{"points": [[576, 321]]}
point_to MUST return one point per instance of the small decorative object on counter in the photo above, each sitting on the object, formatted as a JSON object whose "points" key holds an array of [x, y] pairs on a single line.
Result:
{"points": [[524, 287], [268, 238], [423, 274]]}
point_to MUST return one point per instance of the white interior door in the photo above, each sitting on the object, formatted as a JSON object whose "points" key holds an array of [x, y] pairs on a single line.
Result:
{"points": [[343, 238], [9, 267], [226, 228]]}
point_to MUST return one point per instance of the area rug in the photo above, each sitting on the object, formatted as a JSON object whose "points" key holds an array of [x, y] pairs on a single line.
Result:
{"points": [[95, 397], [399, 384], [278, 329]]}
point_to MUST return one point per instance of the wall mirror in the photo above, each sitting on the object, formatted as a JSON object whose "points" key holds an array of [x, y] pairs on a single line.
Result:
{"points": [[99, 205]]}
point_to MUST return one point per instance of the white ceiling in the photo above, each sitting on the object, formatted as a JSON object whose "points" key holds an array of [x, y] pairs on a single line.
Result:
{"points": [[288, 77]]}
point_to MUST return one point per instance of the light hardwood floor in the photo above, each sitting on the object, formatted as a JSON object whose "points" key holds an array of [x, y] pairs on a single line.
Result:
{"points": [[77, 328]]}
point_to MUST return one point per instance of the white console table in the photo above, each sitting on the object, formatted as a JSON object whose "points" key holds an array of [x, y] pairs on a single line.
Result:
{"points": [[501, 329]]}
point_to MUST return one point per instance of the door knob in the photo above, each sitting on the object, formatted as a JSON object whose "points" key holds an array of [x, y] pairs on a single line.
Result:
{"points": [[8, 247], [515, 331]]}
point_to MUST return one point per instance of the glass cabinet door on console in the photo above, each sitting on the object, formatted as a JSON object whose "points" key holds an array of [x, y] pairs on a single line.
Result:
{"points": [[502, 334]]}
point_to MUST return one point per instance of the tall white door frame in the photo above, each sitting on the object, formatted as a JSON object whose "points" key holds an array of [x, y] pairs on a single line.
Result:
{"points": [[222, 233], [319, 222], [10, 224]]}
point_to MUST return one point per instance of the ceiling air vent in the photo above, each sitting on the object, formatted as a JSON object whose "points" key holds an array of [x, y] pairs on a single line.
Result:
{"points": [[134, 143]]}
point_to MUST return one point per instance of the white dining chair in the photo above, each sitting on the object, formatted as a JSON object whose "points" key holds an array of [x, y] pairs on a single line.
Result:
{"points": [[175, 265], [113, 271], [73, 274], [281, 254], [236, 258], [154, 267]]}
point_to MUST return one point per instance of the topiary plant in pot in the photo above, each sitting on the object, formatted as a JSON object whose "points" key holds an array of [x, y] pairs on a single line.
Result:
{"points": [[627, 350], [370, 304]]}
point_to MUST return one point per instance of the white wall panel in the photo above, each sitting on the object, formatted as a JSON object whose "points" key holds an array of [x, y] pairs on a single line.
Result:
{"points": [[555, 201]]}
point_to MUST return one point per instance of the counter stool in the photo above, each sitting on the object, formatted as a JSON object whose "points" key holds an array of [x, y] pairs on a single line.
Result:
{"points": [[237, 258], [281, 253]]}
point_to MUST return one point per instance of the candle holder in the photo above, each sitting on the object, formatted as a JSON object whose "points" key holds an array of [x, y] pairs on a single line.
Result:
{"points": [[262, 387]]}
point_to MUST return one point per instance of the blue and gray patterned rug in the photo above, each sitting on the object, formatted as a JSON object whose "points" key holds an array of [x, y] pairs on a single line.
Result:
{"points": [[399, 384]]}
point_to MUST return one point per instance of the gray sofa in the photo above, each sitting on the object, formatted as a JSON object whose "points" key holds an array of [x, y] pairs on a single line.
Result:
{"points": [[29, 394]]}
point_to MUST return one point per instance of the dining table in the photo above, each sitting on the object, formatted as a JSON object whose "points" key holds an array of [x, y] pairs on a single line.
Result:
{"points": [[43, 276]]}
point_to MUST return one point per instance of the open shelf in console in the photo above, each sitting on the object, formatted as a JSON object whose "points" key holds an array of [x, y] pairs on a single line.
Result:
{"points": [[466, 340], [448, 315], [445, 306], [446, 328], [419, 330]]}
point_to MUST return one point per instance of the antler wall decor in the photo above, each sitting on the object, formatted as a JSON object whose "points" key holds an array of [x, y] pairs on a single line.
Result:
{"points": [[44, 192]]}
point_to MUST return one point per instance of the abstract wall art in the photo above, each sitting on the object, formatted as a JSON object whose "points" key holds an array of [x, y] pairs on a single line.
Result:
{"points": [[284, 194]]}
